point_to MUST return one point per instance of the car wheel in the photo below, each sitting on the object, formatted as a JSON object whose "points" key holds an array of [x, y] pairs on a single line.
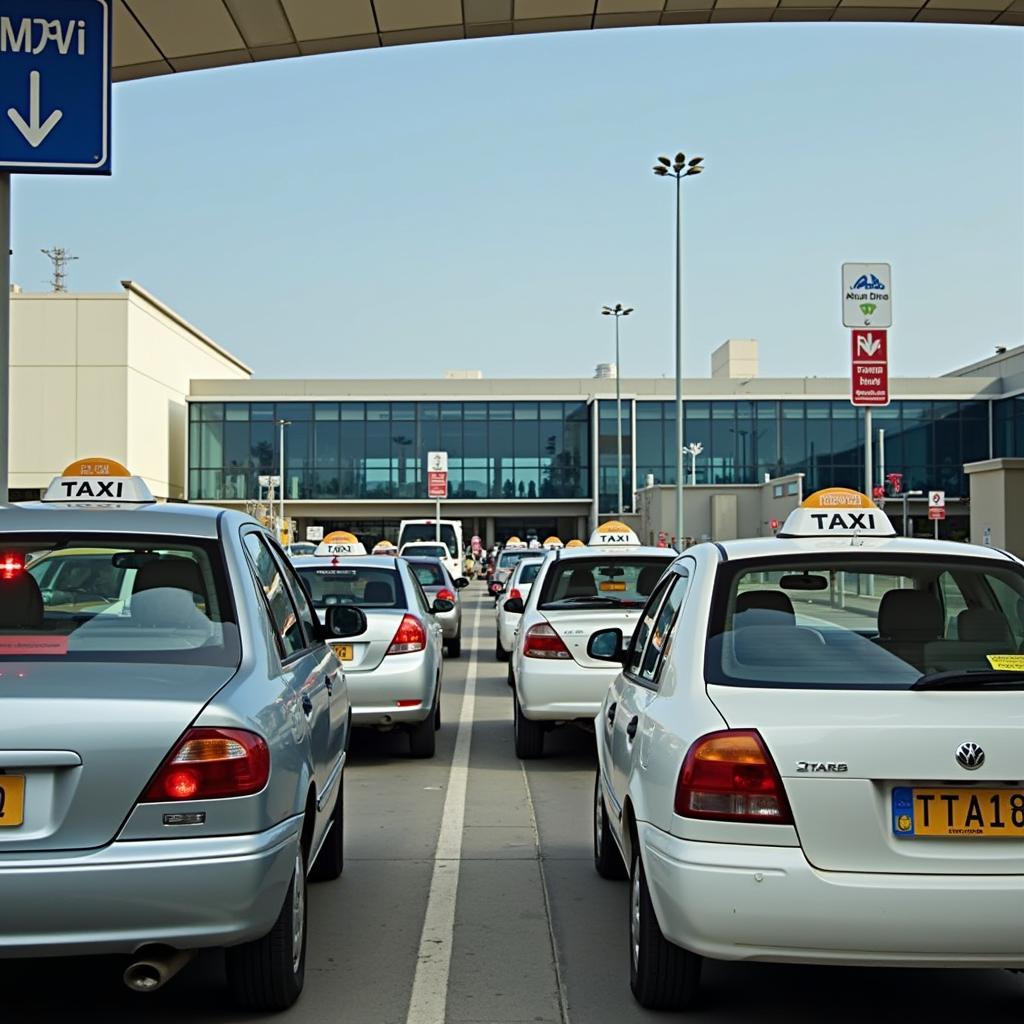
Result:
{"points": [[267, 974], [510, 678], [423, 737], [529, 736], [455, 646], [661, 975], [607, 859], [499, 652], [331, 859], [437, 709]]}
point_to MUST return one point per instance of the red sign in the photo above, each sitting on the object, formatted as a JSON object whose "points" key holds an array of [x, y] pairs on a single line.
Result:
{"points": [[895, 481], [437, 485], [774, 524], [17, 646], [869, 367], [877, 492], [936, 513]]}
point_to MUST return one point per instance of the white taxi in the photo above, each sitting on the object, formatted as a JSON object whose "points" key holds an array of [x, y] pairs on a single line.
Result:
{"points": [[814, 753], [577, 591]]}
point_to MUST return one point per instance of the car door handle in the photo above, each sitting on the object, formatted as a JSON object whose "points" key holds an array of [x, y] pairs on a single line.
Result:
{"points": [[307, 704], [611, 713], [631, 728]]}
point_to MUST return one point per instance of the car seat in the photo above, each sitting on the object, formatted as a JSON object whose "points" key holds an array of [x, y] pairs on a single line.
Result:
{"points": [[907, 621]]}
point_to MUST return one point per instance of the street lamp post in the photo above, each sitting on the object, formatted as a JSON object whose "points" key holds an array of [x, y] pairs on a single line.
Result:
{"points": [[617, 311], [280, 515], [679, 168]]}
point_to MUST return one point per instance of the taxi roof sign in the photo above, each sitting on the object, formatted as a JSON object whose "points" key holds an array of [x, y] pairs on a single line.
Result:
{"points": [[837, 512], [340, 542], [553, 542], [575, 543], [613, 534], [98, 483], [515, 542]]}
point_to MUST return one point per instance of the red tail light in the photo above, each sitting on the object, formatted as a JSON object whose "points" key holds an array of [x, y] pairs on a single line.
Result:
{"points": [[730, 776], [10, 566], [445, 595], [411, 636], [516, 594], [210, 763], [541, 641]]}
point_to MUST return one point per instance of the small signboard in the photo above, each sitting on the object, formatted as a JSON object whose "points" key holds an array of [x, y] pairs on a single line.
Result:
{"points": [[437, 484], [936, 512], [437, 462], [869, 368], [314, 533], [867, 295], [936, 499]]}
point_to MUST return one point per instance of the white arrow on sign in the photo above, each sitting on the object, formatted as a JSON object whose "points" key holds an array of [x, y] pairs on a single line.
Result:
{"points": [[867, 344], [33, 131]]}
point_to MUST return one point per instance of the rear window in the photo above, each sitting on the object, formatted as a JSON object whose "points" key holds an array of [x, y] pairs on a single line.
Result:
{"points": [[430, 574], [430, 550], [528, 573], [827, 622], [601, 582], [367, 587], [102, 598], [428, 531], [507, 559]]}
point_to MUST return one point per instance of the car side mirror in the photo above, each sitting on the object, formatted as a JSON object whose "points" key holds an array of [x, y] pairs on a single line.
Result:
{"points": [[344, 620], [442, 605], [514, 605], [461, 582], [606, 645]]}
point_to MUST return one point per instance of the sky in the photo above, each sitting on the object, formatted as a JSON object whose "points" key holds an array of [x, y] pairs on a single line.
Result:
{"points": [[473, 204]]}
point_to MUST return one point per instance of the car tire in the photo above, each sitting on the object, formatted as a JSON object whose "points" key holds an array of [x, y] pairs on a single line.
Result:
{"points": [[455, 646], [608, 861], [330, 861], [510, 677], [267, 974], [423, 737], [662, 975], [437, 710], [529, 736], [499, 652]]}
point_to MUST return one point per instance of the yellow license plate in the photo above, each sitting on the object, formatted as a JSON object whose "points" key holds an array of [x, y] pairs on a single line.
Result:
{"points": [[12, 800], [957, 813], [344, 651]]}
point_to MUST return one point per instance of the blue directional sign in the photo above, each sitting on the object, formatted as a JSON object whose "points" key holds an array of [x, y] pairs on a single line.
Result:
{"points": [[55, 58]]}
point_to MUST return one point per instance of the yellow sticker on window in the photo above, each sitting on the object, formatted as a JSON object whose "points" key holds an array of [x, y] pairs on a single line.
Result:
{"points": [[1006, 662], [606, 585]]}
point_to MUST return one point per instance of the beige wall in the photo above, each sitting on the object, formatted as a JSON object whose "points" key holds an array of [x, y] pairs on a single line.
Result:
{"points": [[997, 496], [105, 375]]}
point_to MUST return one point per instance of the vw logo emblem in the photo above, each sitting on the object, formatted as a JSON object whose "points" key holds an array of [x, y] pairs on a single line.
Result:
{"points": [[970, 756]]}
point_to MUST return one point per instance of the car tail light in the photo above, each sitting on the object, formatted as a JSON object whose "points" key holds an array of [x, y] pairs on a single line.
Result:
{"points": [[411, 636], [445, 595], [408, 703], [516, 594], [11, 566], [541, 641], [210, 763], [730, 776]]}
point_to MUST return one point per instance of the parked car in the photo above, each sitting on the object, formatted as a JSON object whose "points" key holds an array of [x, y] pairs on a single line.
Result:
{"points": [[173, 740], [437, 584], [507, 621]]}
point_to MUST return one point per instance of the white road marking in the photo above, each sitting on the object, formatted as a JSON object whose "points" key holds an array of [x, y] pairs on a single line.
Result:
{"points": [[433, 963]]}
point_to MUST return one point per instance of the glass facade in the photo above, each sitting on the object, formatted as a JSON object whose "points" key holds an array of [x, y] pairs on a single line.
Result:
{"points": [[535, 450], [377, 450], [1008, 427]]}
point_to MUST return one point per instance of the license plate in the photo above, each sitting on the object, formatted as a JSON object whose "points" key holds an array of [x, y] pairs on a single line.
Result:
{"points": [[957, 813], [344, 651], [12, 800]]}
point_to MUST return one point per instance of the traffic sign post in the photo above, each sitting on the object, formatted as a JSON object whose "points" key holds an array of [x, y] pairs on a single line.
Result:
{"points": [[936, 508], [437, 485], [55, 58]]}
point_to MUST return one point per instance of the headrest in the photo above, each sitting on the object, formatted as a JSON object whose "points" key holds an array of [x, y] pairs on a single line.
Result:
{"points": [[909, 615], [21, 603], [983, 624], [378, 592], [581, 584], [648, 579], [167, 608], [765, 600], [779, 645], [176, 573]]}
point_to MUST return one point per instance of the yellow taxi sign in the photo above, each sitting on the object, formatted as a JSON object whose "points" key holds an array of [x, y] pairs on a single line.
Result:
{"points": [[98, 483], [575, 543], [613, 534], [340, 542], [515, 542], [837, 512], [385, 547], [553, 542]]}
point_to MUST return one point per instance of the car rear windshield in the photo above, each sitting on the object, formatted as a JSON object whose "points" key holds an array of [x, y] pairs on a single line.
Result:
{"points": [[430, 550], [429, 531], [601, 582], [528, 573], [430, 574], [100, 598], [829, 621], [367, 587], [507, 559]]}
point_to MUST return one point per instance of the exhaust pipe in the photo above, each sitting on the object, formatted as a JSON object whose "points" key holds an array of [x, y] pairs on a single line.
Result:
{"points": [[156, 970]]}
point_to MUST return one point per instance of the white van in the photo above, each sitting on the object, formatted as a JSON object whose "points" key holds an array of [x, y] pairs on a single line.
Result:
{"points": [[449, 531]]}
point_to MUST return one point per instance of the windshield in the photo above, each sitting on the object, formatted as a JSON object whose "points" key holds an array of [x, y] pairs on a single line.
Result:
{"points": [[829, 621], [95, 598], [601, 582], [367, 587], [428, 531]]}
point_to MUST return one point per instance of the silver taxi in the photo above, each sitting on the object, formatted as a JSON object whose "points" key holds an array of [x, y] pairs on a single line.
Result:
{"points": [[438, 584], [173, 738], [578, 590]]}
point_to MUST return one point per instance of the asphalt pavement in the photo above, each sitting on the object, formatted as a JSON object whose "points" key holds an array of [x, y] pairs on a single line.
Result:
{"points": [[519, 926]]}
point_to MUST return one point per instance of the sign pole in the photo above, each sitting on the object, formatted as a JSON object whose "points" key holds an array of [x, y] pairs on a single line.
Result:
{"points": [[437, 520], [5, 334], [869, 481]]}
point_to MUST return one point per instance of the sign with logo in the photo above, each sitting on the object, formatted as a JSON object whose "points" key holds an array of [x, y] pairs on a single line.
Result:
{"points": [[55, 58], [437, 462], [340, 543], [93, 482], [867, 295], [837, 512], [869, 368], [936, 504], [314, 533], [613, 534], [437, 485]]}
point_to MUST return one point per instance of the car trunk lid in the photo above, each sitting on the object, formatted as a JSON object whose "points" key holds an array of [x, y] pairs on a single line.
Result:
{"points": [[369, 648], [843, 754], [576, 628]]}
